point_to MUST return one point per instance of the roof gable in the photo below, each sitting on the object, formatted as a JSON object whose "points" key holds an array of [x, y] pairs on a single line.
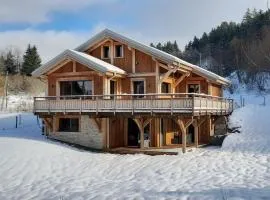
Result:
{"points": [[83, 58], [161, 55]]}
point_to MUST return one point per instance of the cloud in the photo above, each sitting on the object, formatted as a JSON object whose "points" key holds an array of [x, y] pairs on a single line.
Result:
{"points": [[49, 43], [37, 11], [157, 21]]}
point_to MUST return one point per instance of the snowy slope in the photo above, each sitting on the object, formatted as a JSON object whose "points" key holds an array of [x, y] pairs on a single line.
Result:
{"points": [[255, 130], [32, 167]]}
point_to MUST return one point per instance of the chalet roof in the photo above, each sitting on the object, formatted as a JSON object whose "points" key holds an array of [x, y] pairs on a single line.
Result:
{"points": [[161, 55], [83, 58]]}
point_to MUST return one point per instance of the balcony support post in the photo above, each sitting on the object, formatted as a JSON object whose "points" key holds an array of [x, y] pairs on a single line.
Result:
{"points": [[196, 133], [141, 123]]}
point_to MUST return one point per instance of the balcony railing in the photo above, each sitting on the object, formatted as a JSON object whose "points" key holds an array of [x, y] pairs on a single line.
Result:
{"points": [[150, 104]]}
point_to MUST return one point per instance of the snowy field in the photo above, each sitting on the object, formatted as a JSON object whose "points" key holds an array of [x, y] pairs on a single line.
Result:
{"points": [[32, 167]]}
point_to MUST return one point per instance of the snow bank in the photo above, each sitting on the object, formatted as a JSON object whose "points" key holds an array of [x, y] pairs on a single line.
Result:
{"points": [[32, 167], [255, 130]]}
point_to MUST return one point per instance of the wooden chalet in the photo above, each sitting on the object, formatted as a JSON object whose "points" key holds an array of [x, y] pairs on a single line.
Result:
{"points": [[113, 91]]}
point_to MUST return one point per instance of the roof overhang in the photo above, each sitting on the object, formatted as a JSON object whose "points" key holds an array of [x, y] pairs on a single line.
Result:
{"points": [[82, 58], [155, 53]]}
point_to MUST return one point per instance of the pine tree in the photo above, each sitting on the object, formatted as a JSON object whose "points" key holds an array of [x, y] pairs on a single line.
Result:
{"points": [[31, 60], [2, 64], [9, 63]]}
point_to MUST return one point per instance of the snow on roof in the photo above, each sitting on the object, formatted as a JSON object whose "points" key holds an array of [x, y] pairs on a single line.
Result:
{"points": [[168, 58], [83, 58]]}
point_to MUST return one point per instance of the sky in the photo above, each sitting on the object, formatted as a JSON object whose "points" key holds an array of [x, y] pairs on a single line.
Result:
{"points": [[56, 25]]}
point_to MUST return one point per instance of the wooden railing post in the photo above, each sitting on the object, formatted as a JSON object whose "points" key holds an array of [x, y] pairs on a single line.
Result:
{"points": [[96, 104], [193, 104], [114, 101], [65, 107], [221, 106], [132, 104], [171, 104], [151, 103], [80, 105], [49, 106]]}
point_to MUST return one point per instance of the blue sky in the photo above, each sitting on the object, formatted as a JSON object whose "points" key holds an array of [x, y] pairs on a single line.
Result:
{"points": [[55, 25]]}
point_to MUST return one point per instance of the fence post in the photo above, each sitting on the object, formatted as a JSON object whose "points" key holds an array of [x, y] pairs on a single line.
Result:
{"points": [[264, 102], [16, 126]]}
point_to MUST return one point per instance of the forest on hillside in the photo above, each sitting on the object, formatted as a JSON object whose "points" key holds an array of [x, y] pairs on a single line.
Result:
{"points": [[232, 48]]}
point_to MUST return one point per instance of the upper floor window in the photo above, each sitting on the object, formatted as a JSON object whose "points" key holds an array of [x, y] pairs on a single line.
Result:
{"points": [[70, 88], [193, 88], [119, 51], [165, 88], [105, 52]]}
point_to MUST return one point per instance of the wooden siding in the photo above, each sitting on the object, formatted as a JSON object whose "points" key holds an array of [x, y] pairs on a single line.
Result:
{"points": [[192, 79], [216, 90], [117, 132], [125, 63], [64, 73], [144, 62]]}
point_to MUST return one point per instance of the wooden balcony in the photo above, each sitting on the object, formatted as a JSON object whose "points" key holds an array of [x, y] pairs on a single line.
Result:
{"points": [[133, 104]]}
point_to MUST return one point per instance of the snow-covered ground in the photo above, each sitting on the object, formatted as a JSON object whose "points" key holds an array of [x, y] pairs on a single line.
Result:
{"points": [[32, 167]]}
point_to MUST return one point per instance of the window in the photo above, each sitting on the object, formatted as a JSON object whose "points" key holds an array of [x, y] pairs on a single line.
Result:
{"points": [[76, 88], [106, 52], [118, 51], [165, 88], [112, 88], [138, 88], [68, 125], [193, 88]]}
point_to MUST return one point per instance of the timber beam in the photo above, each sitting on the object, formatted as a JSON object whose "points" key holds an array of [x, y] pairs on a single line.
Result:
{"points": [[142, 123]]}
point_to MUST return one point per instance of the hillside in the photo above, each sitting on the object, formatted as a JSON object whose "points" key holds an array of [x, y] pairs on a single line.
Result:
{"points": [[232, 48], [21, 90], [18, 84]]}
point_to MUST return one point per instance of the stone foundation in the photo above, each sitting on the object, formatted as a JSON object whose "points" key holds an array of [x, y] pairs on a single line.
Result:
{"points": [[88, 136]]}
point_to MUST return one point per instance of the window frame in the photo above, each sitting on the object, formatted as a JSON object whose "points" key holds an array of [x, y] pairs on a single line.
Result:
{"points": [[132, 85], [193, 83], [169, 88], [102, 52], [70, 118], [73, 79], [122, 51]]}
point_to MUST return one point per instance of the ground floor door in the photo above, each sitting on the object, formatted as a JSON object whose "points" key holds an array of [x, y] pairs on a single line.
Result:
{"points": [[133, 134], [190, 134]]}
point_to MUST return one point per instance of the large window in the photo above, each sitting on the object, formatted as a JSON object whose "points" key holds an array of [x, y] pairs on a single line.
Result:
{"points": [[68, 125], [76, 88], [165, 88], [106, 52], [119, 51]]}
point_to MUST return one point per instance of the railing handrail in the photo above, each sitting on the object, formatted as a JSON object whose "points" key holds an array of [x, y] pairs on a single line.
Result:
{"points": [[191, 102], [158, 95]]}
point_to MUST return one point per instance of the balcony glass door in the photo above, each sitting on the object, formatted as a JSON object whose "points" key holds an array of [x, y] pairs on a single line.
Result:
{"points": [[113, 88], [138, 88], [193, 88], [71, 88]]}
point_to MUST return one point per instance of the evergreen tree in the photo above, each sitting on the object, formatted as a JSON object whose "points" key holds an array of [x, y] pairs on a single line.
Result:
{"points": [[9, 63], [169, 47], [31, 60], [2, 64]]}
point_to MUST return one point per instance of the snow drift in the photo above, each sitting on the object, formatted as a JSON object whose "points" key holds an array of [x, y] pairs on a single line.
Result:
{"points": [[255, 130]]}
